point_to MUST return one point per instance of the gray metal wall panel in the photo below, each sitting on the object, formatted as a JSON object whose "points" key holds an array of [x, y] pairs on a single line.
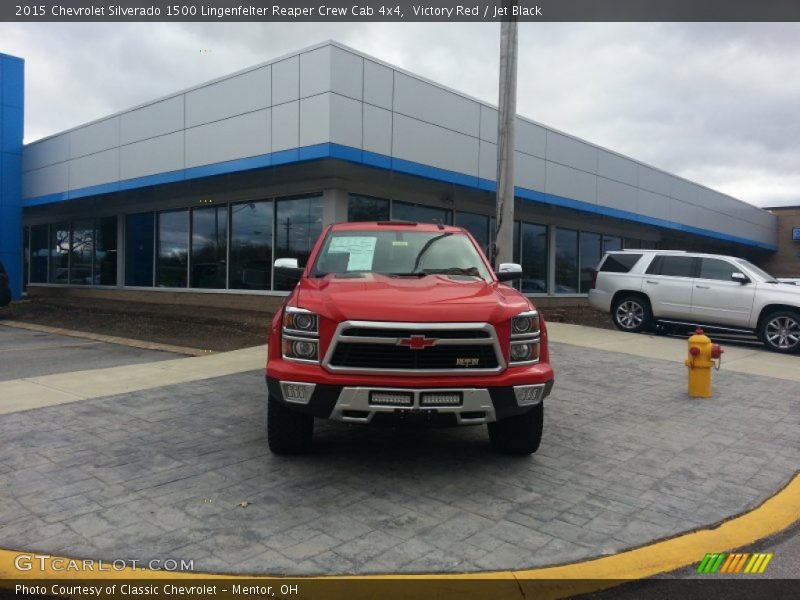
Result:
{"points": [[315, 72], [570, 183], [684, 190], [94, 138], [618, 168], [617, 195], [347, 73], [488, 129], [102, 167], [47, 152], [377, 130], [47, 180], [156, 155], [530, 138], [488, 161], [238, 137], [653, 205], [654, 181], [347, 123], [570, 152], [286, 126], [315, 120], [422, 142], [156, 119], [232, 96], [529, 171], [378, 84], [286, 80], [424, 101]]}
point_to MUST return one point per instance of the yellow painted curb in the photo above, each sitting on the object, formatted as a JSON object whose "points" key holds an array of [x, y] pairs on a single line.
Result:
{"points": [[774, 515]]}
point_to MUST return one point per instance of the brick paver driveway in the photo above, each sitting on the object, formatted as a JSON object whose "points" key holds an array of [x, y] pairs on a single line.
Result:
{"points": [[184, 472]]}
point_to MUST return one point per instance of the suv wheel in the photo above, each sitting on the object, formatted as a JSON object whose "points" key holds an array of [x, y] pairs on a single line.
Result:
{"points": [[518, 435], [632, 313], [780, 331], [288, 431]]}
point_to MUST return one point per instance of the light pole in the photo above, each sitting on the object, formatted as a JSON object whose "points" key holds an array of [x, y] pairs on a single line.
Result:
{"points": [[504, 231]]}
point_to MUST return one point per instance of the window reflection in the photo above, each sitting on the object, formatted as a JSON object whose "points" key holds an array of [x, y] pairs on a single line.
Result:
{"points": [[403, 211], [590, 258], [105, 252], [209, 246], [40, 251], [534, 258], [251, 245], [566, 261], [611, 243], [477, 225], [59, 253], [298, 225], [139, 249], [82, 249], [173, 248], [366, 208]]}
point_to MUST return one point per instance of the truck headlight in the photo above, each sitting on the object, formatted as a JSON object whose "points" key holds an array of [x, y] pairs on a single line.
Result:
{"points": [[525, 340], [300, 320], [300, 334]]}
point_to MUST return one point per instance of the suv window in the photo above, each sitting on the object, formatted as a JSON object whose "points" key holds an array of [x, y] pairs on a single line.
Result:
{"points": [[620, 263], [673, 266], [712, 268]]}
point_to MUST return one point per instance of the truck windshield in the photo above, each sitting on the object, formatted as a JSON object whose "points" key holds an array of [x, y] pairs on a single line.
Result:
{"points": [[400, 253]]}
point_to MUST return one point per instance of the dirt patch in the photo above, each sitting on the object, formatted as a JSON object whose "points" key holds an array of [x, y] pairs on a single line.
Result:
{"points": [[215, 329]]}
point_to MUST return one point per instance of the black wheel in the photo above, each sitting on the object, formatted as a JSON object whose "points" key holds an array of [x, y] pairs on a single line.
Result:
{"points": [[632, 313], [518, 435], [780, 331], [288, 431]]}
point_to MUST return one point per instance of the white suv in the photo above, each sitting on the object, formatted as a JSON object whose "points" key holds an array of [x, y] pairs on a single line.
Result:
{"points": [[666, 289]]}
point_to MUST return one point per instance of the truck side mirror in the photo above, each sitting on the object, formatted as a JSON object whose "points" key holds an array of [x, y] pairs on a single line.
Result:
{"points": [[508, 271], [740, 277]]}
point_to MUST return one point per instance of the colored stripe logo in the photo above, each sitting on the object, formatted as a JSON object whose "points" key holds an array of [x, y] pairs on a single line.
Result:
{"points": [[742, 562]]}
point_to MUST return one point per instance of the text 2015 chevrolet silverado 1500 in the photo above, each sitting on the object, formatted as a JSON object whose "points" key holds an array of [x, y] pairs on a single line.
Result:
{"points": [[395, 322]]}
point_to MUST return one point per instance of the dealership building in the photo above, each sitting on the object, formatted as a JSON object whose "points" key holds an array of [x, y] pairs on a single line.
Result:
{"points": [[190, 198]]}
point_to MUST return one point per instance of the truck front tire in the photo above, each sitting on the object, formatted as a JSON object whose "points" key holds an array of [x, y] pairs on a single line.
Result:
{"points": [[288, 431], [519, 435]]}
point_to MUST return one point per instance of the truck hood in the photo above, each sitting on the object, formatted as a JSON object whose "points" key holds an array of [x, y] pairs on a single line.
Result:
{"points": [[434, 298]]}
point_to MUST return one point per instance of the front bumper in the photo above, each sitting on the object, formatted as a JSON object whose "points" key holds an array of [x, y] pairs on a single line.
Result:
{"points": [[437, 406]]}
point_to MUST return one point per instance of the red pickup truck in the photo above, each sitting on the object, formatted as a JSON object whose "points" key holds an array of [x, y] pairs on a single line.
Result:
{"points": [[399, 322]]}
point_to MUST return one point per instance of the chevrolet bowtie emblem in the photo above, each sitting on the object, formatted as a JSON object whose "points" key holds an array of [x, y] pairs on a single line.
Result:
{"points": [[417, 342]]}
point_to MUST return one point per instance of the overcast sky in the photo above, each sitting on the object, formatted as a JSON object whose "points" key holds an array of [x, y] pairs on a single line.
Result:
{"points": [[716, 103]]}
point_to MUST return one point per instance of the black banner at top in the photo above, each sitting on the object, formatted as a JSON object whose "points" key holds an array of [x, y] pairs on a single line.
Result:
{"points": [[398, 10]]}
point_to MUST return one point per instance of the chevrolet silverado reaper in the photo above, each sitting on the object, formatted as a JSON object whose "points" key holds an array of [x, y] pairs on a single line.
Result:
{"points": [[396, 322], [643, 289]]}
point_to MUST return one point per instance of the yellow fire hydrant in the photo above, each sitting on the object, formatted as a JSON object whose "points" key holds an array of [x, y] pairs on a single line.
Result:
{"points": [[702, 356]]}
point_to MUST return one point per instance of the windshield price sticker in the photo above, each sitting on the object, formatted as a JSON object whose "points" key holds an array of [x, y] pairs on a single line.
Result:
{"points": [[360, 248]]}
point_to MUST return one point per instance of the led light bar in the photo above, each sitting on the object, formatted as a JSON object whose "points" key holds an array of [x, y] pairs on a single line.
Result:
{"points": [[440, 399], [391, 398]]}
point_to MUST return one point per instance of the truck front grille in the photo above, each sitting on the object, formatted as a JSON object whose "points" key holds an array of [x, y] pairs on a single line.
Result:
{"points": [[423, 348]]}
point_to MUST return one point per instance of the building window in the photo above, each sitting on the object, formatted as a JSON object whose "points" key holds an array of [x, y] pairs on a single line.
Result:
{"points": [[534, 258], [611, 243], [82, 248], [591, 246], [105, 252], [139, 241], [298, 224], [251, 245], [59, 253], [40, 253], [477, 225], [366, 208], [566, 261], [209, 247], [631, 244], [173, 249], [403, 211]]}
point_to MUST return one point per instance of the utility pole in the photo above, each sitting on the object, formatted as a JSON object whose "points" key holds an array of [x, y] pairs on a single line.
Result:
{"points": [[504, 231]]}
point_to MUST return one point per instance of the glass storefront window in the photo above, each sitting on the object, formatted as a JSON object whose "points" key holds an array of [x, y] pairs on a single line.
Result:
{"points": [[611, 243], [209, 247], [82, 249], [105, 252], [59, 253], [298, 225], [403, 211], [139, 240], [590, 257], [40, 235], [251, 245], [566, 261], [534, 258], [366, 208], [173, 249], [478, 226]]}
